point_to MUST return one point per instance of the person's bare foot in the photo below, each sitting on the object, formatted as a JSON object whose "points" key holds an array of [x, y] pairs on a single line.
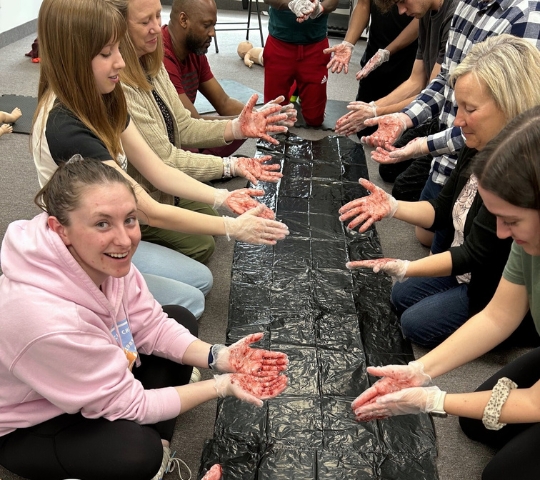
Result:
{"points": [[11, 117], [5, 128]]}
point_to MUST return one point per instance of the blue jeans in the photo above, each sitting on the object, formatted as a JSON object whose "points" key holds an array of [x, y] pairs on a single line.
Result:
{"points": [[431, 190], [431, 308], [173, 278]]}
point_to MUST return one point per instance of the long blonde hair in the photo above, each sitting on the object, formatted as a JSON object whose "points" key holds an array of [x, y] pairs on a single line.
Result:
{"points": [[138, 71], [71, 33]]}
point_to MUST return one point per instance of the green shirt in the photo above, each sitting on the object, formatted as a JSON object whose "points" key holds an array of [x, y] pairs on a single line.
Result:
{"points": [[524, 269], [283, 26]]}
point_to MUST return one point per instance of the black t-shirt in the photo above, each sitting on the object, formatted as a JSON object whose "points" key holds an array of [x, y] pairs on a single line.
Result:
{"points": [[63, 136], [433, 35], [384, 28]]}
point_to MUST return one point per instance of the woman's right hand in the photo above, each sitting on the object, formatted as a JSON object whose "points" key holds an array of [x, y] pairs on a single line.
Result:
{"points": [[250, 388], [251, 228], [390, 128], [242, 200], [395, 378], [369, 209]]}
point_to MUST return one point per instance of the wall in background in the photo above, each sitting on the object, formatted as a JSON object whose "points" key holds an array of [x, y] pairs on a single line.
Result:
{"points": [[18, 18], [13, 14]]}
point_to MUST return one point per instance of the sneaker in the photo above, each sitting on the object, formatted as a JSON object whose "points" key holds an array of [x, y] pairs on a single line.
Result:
{"points": [[195, 376], [178, 462], [164, 464], [168, 464]]}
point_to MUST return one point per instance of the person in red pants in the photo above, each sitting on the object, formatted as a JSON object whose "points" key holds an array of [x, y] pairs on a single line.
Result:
{"points": [[293, 54]]}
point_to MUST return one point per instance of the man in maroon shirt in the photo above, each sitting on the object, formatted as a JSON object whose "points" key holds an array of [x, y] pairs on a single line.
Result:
{"points": [[186, 40]]}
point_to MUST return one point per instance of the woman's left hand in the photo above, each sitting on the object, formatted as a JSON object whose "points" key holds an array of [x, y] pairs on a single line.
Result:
{"points": [[241, 358], [254, 169], [391, 266], [257, 124], [390, 154]]}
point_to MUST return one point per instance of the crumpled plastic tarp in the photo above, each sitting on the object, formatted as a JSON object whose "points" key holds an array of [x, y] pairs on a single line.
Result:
{"points": [[331, 322]]}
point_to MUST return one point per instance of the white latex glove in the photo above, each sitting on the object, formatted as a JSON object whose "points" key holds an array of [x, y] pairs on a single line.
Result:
{"points": [[251, 228], [254, 169], [341, 56], [407, 401], [380, 57], [249, 388], [353, 121], [288, 110], [318, 10], [215, 473], [395, 378], [368, 209], [391, 266], [391, 127], [302, 8], [241, 200], [241, 358], [417, 147], [252, 123]]}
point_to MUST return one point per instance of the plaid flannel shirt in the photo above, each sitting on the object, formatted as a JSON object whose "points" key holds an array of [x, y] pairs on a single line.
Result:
{"points": [[473, 22]]}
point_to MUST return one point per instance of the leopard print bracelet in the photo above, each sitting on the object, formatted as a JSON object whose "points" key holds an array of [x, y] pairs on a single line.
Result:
{"points": [[499, 395]]}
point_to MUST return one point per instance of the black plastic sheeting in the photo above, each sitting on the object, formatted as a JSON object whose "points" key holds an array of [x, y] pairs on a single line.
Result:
{"points": [[331, 322]]}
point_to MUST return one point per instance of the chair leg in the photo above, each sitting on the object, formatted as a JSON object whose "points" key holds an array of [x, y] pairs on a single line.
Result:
{"points": [[215, 42], [249, 18], [260, 24]]}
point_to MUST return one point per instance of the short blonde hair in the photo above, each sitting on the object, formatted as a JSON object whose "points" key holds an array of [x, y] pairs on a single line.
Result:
{"points": [[509, 67]]}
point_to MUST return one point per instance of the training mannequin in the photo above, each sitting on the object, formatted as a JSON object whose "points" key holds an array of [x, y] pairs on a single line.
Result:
{"points": [[250, 54], [7, 118]]}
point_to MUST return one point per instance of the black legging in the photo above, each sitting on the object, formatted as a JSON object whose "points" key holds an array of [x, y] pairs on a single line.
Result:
{"points": [[517, 458], [72, 446]]}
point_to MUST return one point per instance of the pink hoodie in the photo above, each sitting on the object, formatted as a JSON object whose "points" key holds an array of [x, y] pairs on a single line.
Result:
{"points": [[57, 352]]}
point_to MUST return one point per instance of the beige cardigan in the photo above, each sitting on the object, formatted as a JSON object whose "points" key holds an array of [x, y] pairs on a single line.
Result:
{"points": [[188, 133]]}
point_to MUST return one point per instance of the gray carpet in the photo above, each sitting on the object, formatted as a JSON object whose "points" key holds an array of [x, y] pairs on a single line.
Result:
{"points": [[459, 458], [233, 89]]}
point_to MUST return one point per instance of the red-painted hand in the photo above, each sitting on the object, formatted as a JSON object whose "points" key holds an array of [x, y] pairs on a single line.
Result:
{"points": [[250, 388], [254, 169], [257, 124], [391, 127], [369, 209], [214, 473], [241, 200], [241, 358]]}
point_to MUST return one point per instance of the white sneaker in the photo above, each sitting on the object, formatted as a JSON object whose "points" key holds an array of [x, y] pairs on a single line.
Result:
{"points": [[164, 464], [195, 376], [168, 463]]}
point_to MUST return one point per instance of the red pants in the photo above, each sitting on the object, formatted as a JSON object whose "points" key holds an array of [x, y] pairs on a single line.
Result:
{"points": [[285, 63]]}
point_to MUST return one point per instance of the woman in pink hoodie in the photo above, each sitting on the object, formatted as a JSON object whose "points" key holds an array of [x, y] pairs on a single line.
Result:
{"points": [[93, 371]]}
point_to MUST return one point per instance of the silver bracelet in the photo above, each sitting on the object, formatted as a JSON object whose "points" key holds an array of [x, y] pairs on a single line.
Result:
{"points": [[227, 167], [499, 395]]}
